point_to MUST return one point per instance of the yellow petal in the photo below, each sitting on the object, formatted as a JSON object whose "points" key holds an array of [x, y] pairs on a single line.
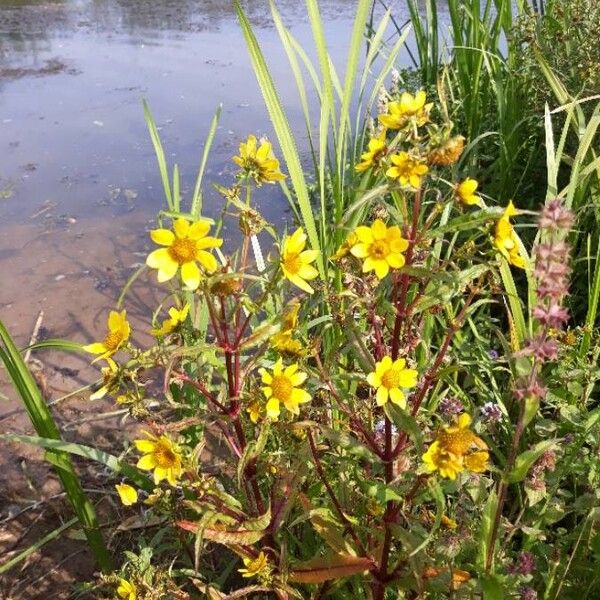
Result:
{"points": [[207, 260], [397, 397], [127, 494], [273, 409], [464, 420], [198, 230], [382, 396], [146, 462], [190, 275], [379, 229], [95, 348], [374, 380], [181, 227], [144, 446], [163, 237]]}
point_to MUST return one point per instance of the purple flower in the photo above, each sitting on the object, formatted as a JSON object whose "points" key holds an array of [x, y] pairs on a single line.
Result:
{"points": [[451, 406], [493, 354], [524, 564], [555, 216], [491, 413], [528, 593]]}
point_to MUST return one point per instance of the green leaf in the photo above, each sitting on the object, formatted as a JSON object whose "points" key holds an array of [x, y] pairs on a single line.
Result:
{"points": [[283, 131], [196, 205], [37, 545], [348, 442], [526, 459], [492, 587], [111, 461], [160, 155], [486, 528], [404, 421], [44, 424]]}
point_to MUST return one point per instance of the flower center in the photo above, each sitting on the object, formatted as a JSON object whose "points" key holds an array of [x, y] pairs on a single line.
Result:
{"points": [[379, 249], [164, 456], [113, 340], [458, 442], [282, 387], [391, 379], [292, 263], [183, 250]]}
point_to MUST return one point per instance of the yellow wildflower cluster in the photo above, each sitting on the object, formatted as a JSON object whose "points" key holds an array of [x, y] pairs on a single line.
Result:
{"points": [[295, 260], [389, 378], [118, 333], [376, 151], [457, 449], [506, 240], [175, 320], [380, 247], [161, 455], [258, 162], [409, 109], [465, 191], [126, 590], [254, 567], [283, 386], [283, 341], [186, 245], [407, 169]]}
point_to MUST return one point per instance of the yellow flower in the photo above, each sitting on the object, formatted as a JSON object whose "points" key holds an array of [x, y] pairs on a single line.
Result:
{"points": [[438, 459], [162, 456], [128, 494], [295, 261], [283, 340], [255, 566], [376, 151], [110, 381], [344, 249], [177, 317], [408, 107], [126, 590], [406, 169], [185, 246], [457, 449], [254, 409], [389, 376], [283, 386], [506, 240], [465, 190], [381, 247], [118, 334], [258, 162]]}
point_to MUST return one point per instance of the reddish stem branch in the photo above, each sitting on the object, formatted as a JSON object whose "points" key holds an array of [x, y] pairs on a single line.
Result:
{"points": [[332, 496]]}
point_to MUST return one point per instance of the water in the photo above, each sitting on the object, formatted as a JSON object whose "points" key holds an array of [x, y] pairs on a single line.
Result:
{"points": [[78, 178]]}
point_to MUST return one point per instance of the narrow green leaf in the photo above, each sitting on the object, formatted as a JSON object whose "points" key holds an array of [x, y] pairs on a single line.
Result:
{"points": [[283, 132], [196, 205], [160, 155]]}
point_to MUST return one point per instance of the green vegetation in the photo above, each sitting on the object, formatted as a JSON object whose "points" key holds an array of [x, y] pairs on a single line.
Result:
{"points": [[397, 397]]}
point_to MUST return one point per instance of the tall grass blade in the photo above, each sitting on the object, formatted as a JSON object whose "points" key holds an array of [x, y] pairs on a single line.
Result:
{"points": [[160, 155], [196, 205], [45, 426], [283, 132], [36, 546]]}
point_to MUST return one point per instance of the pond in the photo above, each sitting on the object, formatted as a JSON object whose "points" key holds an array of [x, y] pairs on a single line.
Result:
{"points": [[78, 181]]}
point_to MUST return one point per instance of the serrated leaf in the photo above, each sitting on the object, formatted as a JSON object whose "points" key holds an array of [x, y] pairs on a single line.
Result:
{"points": [[320, 569], [241, 536]]}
